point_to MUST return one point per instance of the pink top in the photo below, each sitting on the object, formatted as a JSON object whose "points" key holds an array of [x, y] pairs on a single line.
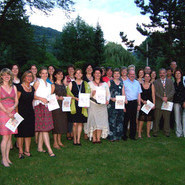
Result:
{"points": [[7, 100]]}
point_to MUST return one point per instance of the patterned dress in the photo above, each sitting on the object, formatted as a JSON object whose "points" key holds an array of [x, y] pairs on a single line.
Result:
{"points": [[7, 100], [115, 116], [43, 117]]}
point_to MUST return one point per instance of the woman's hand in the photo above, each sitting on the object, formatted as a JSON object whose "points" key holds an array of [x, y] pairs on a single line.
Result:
{"points": [[10, 115], [124, 110], [9, 110], [61, 98], [107, 102], [144, 102], [113, 99], [93, 92], [153, 107], [77, 99], [44, 100]]}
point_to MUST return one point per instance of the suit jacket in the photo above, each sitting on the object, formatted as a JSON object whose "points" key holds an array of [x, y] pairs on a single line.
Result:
{"points": [[159, 91]]}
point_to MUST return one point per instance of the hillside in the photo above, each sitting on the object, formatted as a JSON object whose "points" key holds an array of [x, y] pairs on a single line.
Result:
{"points": [[45, 35]]}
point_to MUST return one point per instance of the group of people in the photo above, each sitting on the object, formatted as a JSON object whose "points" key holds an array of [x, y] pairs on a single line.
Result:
{"points": [[29, 97]]}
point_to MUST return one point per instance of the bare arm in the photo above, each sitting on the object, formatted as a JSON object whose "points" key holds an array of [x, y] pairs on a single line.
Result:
{"points": [[153, 94]]}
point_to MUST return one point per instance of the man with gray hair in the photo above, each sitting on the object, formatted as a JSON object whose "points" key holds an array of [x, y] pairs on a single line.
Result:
{"points": [[132, 92], [164, 91]]}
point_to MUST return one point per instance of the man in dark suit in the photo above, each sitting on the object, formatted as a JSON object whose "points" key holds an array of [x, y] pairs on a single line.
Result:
{"points": [[164, 91]]}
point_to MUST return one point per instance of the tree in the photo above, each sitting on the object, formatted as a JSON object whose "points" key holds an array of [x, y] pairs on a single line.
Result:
{"points": [[79, 42], [99, 45], [165, 32], [43, 5], [116, 56], [167, 27]]}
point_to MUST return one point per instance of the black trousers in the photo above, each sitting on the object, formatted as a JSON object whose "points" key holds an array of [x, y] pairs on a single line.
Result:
{"points": [[130, 115]]}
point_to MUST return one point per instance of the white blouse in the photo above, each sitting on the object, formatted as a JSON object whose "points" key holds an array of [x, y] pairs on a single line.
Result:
{"points": [[43, 91]]}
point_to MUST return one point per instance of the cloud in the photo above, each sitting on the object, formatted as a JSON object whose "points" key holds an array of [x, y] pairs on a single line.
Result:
{"points": [[112, 21]]}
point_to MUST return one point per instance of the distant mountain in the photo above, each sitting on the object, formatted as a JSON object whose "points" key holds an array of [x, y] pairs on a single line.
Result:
{"points": [[45, 36]]}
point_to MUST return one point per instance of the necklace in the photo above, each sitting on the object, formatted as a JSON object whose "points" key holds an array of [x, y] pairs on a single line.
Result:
{"points": [[28, 88], [98, 84]]}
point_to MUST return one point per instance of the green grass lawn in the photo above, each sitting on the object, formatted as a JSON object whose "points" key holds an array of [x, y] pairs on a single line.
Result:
{"points": [[150, 161]]}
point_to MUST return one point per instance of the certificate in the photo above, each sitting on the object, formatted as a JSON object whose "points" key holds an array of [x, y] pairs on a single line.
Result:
{"points": [[53, 103], [120, 102], [167, 106], [13, 123], [84, 100], [101, 95], [146, 108], [66, 104]]}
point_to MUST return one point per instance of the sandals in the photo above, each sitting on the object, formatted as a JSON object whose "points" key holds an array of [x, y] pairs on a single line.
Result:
{"points": [[21, 156], [27, 154], [52, 155]]}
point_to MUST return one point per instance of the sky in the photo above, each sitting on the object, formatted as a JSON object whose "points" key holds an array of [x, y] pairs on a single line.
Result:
{"points": [[113, 16]]}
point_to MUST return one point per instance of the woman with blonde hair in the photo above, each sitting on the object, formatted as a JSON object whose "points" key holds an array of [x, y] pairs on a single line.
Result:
{"points": [[8, 103]]}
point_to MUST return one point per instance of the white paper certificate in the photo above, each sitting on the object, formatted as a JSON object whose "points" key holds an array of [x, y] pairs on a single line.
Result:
{"points": [[120, 102], [101, 96], [167, 106], [13, 123], [53, 103], [66, 104], [84, 100], [146, 108]]}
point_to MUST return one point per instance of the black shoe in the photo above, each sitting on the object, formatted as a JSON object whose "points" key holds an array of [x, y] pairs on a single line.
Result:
{"points": [[79, 144], [134, 139], [75, 143], [154, 135], [124, 138], [167, 135], [21, 156]]}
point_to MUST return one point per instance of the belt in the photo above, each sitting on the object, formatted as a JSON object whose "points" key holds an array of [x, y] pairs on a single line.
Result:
{"points": [[132, 101]]}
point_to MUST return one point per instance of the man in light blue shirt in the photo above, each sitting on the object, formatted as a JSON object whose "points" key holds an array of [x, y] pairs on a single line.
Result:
{"points": [[132, 92]]}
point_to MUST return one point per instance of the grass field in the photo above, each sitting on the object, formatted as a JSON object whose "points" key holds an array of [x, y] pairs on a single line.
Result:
{"points": [[150, 161]]}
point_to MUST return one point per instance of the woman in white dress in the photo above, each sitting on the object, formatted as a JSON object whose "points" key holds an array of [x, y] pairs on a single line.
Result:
{"points": [[97, 124]]}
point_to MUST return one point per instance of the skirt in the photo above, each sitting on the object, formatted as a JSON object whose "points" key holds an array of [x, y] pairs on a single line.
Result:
{"points": [[43, 119]]}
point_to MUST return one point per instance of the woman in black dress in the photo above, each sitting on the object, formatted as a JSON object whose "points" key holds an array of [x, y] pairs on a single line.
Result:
{"points": [[78, 118], [59, 117], [26, 129], [148, 93]]}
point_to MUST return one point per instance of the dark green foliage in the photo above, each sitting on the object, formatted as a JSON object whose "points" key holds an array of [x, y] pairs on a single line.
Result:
{"points": [[45, 37], [80, 42], [43, 5], [117, 56], [168, 43], [99, 46]]}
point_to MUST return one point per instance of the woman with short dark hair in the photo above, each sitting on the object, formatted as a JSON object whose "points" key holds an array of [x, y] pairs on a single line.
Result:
{"points": [[26, 129], [178, 99], [59, 117], [97, 123]]}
